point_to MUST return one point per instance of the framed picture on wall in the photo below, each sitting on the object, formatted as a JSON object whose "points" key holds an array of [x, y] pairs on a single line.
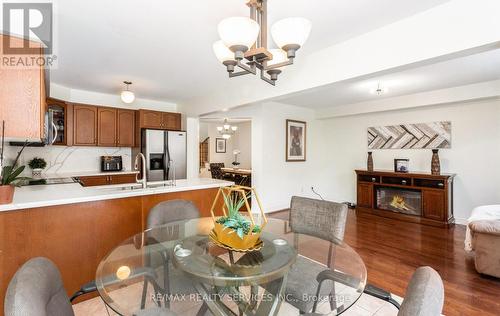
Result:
{"points": [[295, 140], [220, 145]]}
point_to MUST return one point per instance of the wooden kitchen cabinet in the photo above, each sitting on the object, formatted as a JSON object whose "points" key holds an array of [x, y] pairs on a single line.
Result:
{"points": [[172, 121], [125, 128], [22, 97], [85, 125], [159, 120], [106, 127], [150, 119], [92, 181]]}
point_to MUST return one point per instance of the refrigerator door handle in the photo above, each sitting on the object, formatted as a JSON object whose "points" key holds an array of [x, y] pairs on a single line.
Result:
{"points": [[167, 158]]}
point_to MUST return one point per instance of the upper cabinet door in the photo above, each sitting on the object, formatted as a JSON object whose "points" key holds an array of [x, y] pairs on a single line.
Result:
{"points": [[126, 128], [22, 99], [172, 121], [151, 119], [85, 125], [106, 127]]}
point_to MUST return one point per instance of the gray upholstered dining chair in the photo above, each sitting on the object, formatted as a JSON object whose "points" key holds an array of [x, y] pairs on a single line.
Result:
{"points": [[171, 211], [165, 213], [37, 290], [318, 218], [424, 295]]}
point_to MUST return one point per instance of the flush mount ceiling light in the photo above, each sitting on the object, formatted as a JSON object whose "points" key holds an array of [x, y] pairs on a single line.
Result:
{"points": [[243, 42], [379, 90], [127, 95], [226, 130]]}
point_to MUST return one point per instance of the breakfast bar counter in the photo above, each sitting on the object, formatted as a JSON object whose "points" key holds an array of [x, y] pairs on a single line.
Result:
{"points": [[77, 226]]}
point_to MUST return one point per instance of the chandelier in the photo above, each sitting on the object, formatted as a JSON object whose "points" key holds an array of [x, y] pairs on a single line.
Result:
{"points": [[243, 43], [226, 130]]}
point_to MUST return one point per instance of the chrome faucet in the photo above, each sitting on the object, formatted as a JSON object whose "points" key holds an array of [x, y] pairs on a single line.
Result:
{"points": [[142, 181]]}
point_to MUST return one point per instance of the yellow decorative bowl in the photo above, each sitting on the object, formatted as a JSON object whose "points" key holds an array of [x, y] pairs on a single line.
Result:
{"points": [[228, 236]]}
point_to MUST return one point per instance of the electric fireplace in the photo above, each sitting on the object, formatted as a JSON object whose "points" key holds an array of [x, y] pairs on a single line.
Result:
{"points": [[399, 200]]}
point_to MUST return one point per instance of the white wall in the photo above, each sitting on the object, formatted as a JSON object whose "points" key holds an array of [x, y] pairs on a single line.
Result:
{"points": [[474, 155], [276, 180], [243, 142]]}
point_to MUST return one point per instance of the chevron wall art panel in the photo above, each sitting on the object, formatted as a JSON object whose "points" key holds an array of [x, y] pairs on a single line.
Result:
{"points": [[410, 136]]}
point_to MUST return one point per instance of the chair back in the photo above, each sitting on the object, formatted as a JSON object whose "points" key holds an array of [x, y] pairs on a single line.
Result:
{"points": [[216, 171], [424, 295], [37, 290], [171, 211], [322, 219]]}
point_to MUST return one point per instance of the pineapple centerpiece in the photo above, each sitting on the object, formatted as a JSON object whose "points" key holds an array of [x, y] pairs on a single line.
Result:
{"points": [[235, 230]]}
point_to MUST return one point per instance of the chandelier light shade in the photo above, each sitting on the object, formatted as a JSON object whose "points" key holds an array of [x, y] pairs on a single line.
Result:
{"points": [[222, 52], [227, 130], [238, 33], [291, 32], [243, 44], [127, 96]]}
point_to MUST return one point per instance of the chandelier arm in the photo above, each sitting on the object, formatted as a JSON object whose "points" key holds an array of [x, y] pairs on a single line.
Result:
{"points": [[248, 69], [263, 77], [283, 64]]}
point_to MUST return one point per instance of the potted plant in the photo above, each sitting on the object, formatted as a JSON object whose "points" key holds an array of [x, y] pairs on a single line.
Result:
{"points": [[37, 165], [235, 230], [9, 175]]}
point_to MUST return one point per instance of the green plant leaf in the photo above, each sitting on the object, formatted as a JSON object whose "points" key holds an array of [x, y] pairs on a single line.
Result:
{"points": [[239, 232], [15, 173]]}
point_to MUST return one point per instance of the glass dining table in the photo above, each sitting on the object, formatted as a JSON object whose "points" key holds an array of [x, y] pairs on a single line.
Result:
{"points": [[177, 270]]}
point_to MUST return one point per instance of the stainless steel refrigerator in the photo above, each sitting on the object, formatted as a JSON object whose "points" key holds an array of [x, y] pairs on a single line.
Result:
{"points": [[165, 153]]}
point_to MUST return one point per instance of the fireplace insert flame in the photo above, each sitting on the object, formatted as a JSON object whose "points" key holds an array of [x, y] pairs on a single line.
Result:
{"points": [[399, 200]]}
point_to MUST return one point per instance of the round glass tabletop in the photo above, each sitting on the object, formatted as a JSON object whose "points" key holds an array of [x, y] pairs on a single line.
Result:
{"points": [[177, 269]]}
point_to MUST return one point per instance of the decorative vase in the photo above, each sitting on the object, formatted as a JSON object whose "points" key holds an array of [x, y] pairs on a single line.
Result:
{"points": [[228, 237], [369, 162], [36, 173], [435, 163], [6, 194]]}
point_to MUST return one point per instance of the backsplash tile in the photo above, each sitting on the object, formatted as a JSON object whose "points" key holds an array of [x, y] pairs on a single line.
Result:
{"points": [[62, 159]]}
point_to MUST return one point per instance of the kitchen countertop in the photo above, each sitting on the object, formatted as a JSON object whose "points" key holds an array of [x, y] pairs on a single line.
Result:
{"points": [[60, 194], [86, 174]]}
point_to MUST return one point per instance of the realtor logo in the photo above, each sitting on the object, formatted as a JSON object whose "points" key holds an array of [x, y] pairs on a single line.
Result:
{"points": [[31, 21]]}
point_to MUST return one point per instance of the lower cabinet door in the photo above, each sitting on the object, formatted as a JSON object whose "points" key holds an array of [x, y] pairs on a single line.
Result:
{"points": [[365, 195], [93, 181], [434, 204], [122, 179]]}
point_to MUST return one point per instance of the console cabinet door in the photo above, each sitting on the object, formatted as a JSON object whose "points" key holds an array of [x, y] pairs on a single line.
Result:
{"points": [[434, 204], [365, 195], [107, 127], [126, 128], [85, 125]]}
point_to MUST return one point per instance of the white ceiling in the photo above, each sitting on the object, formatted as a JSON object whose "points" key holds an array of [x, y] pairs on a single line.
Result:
{"points": [[165, 47], [456, 72]]}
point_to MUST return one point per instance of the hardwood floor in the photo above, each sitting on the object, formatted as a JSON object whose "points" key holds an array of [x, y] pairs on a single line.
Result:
{"points": [[392, 250]]}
